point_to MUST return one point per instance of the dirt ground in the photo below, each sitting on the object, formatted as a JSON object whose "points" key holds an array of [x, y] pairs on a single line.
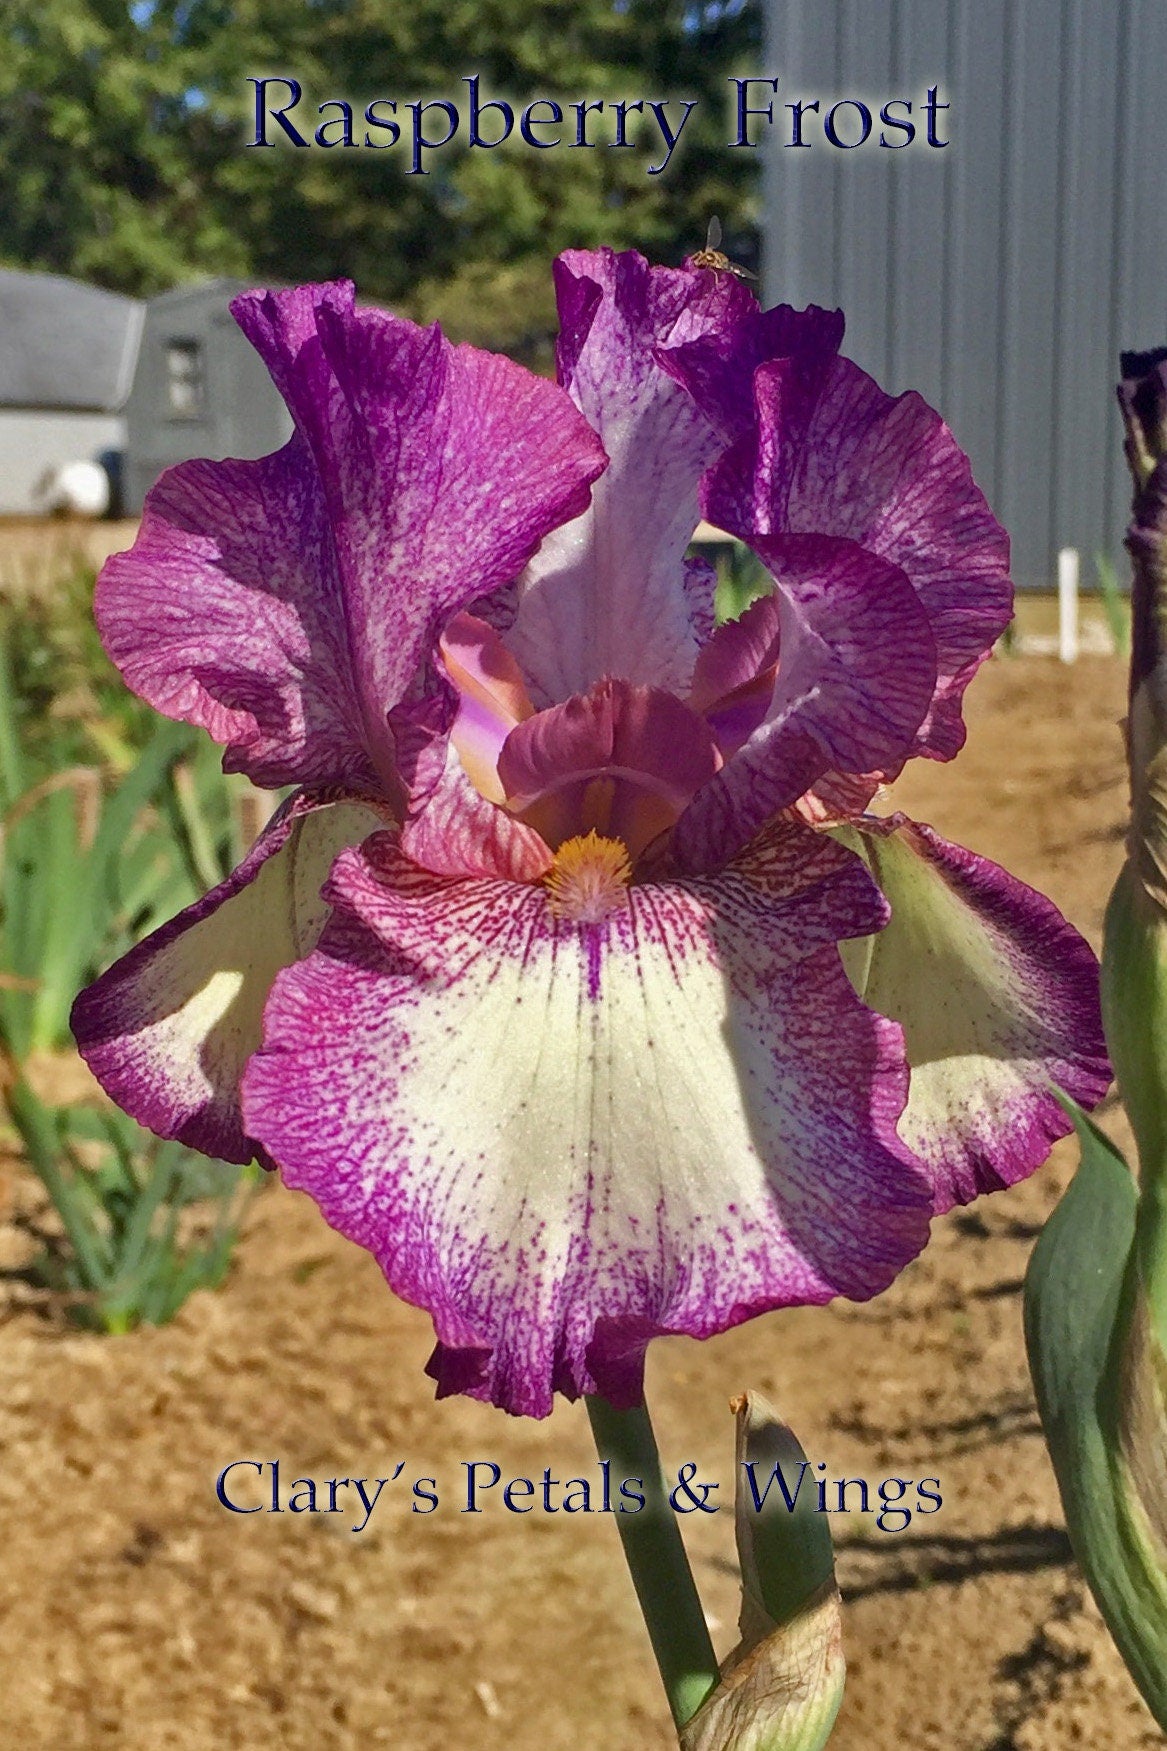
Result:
{"points": [[137, 1612], [34, 553]]}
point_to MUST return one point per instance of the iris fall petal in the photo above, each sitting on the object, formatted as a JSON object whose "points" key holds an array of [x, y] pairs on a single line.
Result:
{"points": [[998, 999], [168, 1029], [562, 1140]]}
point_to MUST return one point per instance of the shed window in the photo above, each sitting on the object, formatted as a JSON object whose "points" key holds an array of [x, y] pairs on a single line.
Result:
{"points": [[184, 379]]}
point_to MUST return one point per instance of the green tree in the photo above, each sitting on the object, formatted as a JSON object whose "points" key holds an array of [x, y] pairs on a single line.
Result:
{"points": [[96, 158], [122, 146]]}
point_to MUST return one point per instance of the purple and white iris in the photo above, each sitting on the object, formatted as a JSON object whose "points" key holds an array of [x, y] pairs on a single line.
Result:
{"points": [[575, 981]]}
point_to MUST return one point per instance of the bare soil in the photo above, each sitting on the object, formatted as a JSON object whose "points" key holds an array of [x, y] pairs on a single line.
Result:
{"points": [[137, 1612], [35, 552]]}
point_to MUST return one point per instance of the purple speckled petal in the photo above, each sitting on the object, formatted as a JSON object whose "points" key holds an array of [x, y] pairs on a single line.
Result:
{"points": [[831, 454], [856, 667], [718, 369], [998, 999], [168, 1029], [609, 594], [563, 1140], [286, 604]]}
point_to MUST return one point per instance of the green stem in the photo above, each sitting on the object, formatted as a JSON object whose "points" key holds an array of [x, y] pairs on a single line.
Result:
{"points": [[656, 1558]]}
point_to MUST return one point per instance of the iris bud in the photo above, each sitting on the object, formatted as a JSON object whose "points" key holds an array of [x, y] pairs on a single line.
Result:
{"points": [[1096, 1292], [781, 1687], [1135, 958]]}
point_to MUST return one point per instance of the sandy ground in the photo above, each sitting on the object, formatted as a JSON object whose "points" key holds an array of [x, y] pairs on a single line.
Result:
{"points": [[136, 1612]]}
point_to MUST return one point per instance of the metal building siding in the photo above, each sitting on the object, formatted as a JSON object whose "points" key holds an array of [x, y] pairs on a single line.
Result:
{"points": [[1001, 275]]}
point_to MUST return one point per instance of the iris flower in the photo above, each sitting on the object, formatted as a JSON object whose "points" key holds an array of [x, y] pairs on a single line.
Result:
{"points": [[575, 980]]}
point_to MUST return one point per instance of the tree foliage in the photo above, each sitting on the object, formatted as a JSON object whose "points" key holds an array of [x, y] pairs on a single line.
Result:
{"points": [[122, 130]]}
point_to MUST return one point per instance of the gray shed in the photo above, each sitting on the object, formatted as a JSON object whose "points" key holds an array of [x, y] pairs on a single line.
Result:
{"points": [[67, 358], [200, 388], [999, 275]]}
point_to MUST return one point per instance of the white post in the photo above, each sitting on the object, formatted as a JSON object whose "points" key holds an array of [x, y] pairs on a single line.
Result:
{"points": [[1068, 604]]}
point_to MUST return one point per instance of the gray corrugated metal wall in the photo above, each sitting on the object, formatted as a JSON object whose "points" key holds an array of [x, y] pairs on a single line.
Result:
{"points": [[1001, 275]]}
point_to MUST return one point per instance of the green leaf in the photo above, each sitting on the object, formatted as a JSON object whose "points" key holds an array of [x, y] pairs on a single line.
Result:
{"points": [[1084, 1336], [83, 894], [12, 773], [39, 1129]]}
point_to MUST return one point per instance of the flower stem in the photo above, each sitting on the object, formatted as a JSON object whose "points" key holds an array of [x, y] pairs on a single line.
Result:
{"points": [[656, 1557]]}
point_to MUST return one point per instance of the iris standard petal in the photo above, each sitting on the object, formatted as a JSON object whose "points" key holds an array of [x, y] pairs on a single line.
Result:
{"points": [[998, 999], [855, 670], [285, 605], [718, 368], [609, 594], [832, 454], [168, 1029], [562, 1140], [226, 613]]}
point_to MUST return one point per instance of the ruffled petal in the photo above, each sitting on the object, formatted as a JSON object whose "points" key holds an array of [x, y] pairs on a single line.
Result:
{"points": [[226, 613], [563, 1140], [286, 604], [854, 675], [718, 369], [831, 454], [168, 1029], [998, 999], [609, 594]]}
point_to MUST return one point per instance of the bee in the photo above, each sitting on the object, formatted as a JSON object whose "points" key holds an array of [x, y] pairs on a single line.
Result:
{"points": [[712, 257]]}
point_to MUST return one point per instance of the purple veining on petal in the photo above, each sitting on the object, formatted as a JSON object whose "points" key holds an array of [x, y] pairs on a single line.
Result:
{"points": [[718, 368], [884, 472], [219, 615], [854, 675], [610, 594], [711, 1080], [286, 605], [592, 938], [701, 596], [711, 1134], [837, 797]]}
